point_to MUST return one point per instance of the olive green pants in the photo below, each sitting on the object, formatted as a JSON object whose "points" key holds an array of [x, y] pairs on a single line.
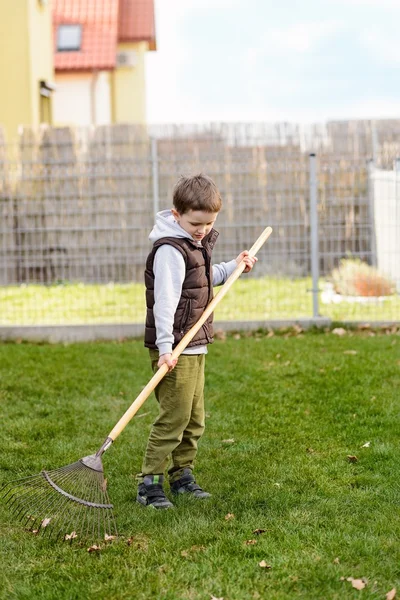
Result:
{"points": [[180, 422]]}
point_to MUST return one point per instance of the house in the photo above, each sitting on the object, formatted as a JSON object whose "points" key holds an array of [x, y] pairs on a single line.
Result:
{"points": [[73, 62], [26, 64], [99, 60]]}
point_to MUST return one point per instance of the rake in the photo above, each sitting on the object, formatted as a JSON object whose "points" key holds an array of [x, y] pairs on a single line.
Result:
{"points": [[72, 501]]}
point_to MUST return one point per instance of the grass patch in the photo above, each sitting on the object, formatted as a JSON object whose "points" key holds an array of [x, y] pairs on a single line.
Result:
{"points": [[263, 299], [295, 407]]}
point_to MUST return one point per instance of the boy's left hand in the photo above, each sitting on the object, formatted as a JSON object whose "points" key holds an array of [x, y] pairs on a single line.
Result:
{"points": [[249, 260]]}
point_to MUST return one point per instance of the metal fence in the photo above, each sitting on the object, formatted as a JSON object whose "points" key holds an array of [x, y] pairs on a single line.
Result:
{"points": [[77, 205]]}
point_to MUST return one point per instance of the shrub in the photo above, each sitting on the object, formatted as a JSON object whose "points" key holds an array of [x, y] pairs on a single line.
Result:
{"points": [[353, 277]]}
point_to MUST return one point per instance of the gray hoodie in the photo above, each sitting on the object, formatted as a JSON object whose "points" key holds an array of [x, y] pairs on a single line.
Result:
{"points": [[169, 275]]}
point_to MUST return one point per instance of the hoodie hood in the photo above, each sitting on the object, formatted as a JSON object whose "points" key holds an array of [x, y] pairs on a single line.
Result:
{"points": [[166, 226]]}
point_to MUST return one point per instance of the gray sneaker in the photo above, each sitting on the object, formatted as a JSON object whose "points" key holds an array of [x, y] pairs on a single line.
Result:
{"points": [[151, 493], [186, 484]]}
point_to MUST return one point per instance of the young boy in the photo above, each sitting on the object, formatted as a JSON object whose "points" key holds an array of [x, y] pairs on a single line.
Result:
{"points": [[179, 282]]}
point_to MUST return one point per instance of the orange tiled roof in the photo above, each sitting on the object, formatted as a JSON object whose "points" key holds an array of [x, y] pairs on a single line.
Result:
{"points": [[99, 20], [136, 22]]}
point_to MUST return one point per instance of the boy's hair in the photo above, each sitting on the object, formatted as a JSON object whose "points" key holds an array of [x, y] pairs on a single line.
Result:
{"points": [[196, 192]]}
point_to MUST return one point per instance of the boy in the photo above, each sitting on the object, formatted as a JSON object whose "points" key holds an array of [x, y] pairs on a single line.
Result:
{"points": [[179, 282]]}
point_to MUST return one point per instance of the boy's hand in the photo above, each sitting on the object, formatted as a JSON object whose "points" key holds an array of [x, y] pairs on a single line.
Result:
{"points": [[249, 260], [167, 359]]}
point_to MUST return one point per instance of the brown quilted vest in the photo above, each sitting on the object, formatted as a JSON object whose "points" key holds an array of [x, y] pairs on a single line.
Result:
{"points": [[197, 290]]}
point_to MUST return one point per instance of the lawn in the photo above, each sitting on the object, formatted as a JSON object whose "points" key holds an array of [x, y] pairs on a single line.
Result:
{"points": [[284, 412], [260, 299]]}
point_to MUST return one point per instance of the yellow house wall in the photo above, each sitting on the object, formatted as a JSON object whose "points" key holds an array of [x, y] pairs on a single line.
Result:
{"points": [[26, 57], [129, 88], [40, 52]]}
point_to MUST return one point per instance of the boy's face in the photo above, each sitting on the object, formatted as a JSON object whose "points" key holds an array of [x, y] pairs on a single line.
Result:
{"points": [[196, 222]]}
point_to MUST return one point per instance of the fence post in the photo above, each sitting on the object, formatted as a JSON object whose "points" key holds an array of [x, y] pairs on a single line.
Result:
{"points": [[314, 233], [154, 168], [371, 209]]}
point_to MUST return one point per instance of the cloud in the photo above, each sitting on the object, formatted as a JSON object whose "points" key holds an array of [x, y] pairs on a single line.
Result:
{"points": [[382, 45]]}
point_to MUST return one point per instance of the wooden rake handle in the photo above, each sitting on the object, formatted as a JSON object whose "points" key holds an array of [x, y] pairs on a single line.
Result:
{"points": [[163, 370]]}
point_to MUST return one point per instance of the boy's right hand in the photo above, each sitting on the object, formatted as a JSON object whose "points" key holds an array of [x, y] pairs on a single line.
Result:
{"points": [[167, 359]]}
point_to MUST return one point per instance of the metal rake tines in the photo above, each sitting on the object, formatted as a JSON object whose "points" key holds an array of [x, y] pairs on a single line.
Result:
{"points": [[67, 503]]}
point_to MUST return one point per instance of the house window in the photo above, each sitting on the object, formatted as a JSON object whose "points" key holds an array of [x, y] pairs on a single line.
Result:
{"points": [[69, 38]]}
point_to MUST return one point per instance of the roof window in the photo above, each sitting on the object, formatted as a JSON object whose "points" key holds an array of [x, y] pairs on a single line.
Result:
{"points": [[69, 38]]}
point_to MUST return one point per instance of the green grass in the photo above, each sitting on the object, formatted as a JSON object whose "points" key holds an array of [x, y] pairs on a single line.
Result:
{"points": [[295, 407], [258, 299]]}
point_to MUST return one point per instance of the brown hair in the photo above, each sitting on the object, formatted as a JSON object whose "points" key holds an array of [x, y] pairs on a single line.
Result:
{"points": [[196, 192]]}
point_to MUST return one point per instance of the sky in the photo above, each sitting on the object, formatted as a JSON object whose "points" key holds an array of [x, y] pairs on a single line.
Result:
{"points": [[274, 60]]}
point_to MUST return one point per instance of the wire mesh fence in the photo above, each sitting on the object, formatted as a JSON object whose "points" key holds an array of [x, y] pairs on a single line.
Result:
{"points": [[77, 206]]}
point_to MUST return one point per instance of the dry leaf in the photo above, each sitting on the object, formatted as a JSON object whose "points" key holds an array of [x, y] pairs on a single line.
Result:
{"points": [[336, 561], [104, 485], [215, 598], [352, 459], [391, 595], [236, 336], [350, 352], [198, 548], [270, 334], [250, 542], [264, 565], [358, 584], [94, 548], [184, 553], [45, 522], [339, 331], [229, 517], [109, 538], [310, 450], [70, 536], [259, 531], [230, 441], [366, 445], [34, 530]]}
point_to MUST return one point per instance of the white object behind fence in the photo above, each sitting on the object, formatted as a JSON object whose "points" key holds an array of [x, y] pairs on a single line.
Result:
{"points": [[386, 206]]}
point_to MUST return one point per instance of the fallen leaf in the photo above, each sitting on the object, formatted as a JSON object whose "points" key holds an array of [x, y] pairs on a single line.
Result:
{"points": [[391, 595], [198, 548], [339, 331], [70, 536], [277, 484], [352, 459], [236, 336], [259, 531], [129, 541], [45, 522], [34, 530], [104, 485], [287, 363], [264, 565], [215, 598], [229, 517], [184, 553], [109, 538], [250, 542], [350, 352], [358, 584], [94, 548], [270, 334], [310, 450], [366, 445], [277, 356], [336, 561], [230, 441]]}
